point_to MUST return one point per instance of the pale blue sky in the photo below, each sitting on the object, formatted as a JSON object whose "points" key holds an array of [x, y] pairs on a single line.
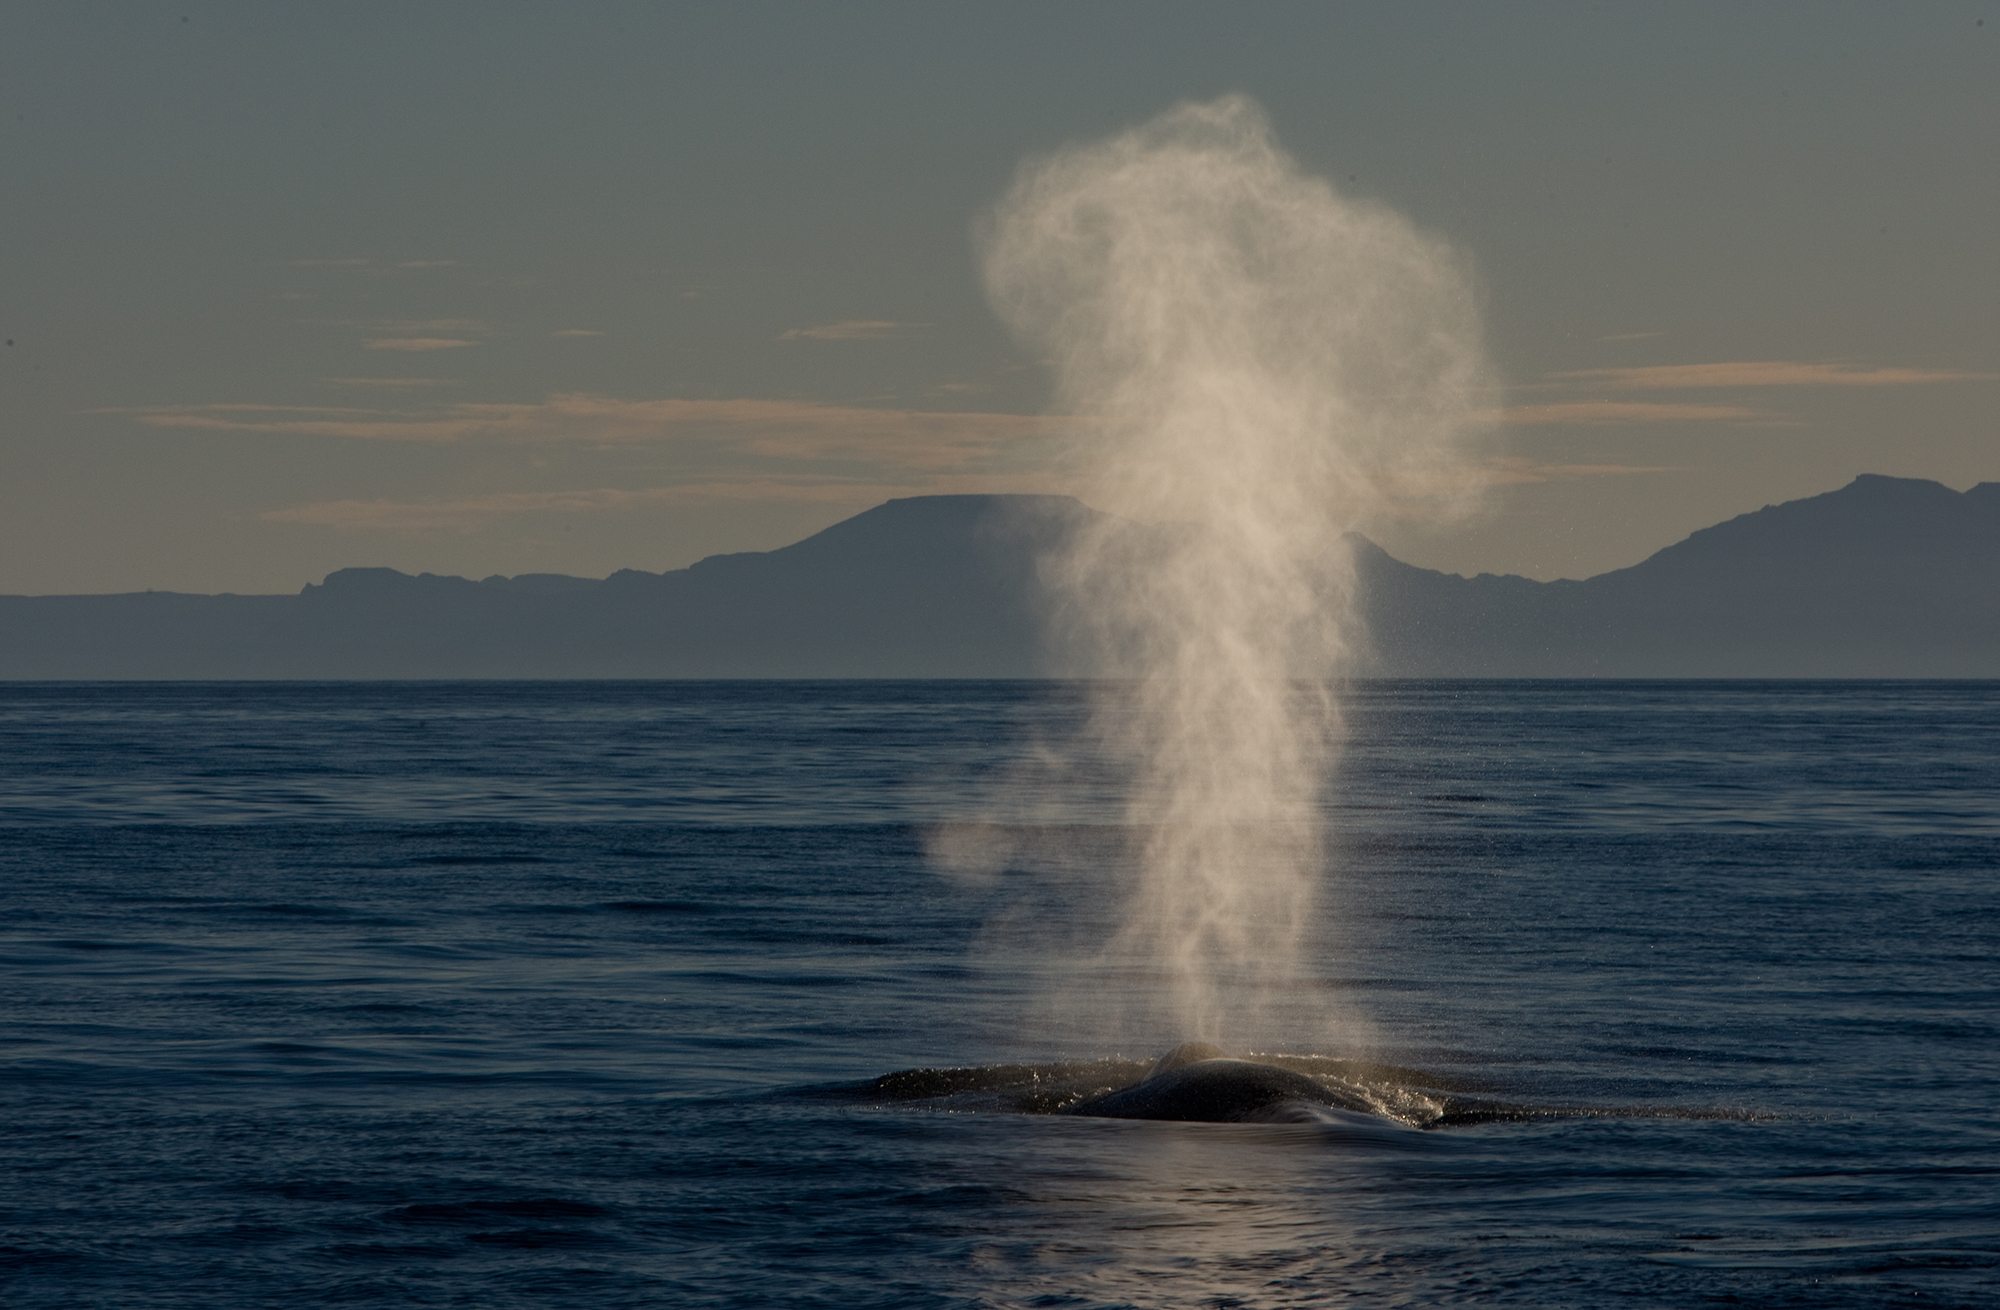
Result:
{"points": [[497, 288]]}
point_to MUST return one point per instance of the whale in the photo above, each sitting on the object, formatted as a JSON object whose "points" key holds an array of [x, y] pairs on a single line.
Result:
{"points": [[1200, 1083]]}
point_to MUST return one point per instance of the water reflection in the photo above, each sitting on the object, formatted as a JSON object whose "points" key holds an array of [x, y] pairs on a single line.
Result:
{"points": [[1191, 1214]]}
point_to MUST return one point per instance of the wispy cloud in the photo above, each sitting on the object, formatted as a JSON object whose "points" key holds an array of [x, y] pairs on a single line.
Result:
{"points": [[460, 513], [851, 329], [294, 420], [1761, 373], [1604, 397], [1515, 471], [577, 332], [792, 430], [417, 345], [419, 326], [247, 409], [472, 513], [416, 335], [1616, 413], [391, 384]]}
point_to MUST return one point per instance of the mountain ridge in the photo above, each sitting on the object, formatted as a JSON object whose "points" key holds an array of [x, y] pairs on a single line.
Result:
{"points": [[1895, 577]]}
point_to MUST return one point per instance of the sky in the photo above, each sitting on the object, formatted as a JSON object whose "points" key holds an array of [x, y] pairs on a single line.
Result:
{"points": [[509, 288]]}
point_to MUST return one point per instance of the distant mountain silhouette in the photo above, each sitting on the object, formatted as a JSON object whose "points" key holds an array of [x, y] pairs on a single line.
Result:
{"points": [[934, 586], [1886, 577]]}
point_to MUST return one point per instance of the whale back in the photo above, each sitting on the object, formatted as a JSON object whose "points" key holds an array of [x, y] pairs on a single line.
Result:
{"points": [[1201, 1088], [1185, 1054]]}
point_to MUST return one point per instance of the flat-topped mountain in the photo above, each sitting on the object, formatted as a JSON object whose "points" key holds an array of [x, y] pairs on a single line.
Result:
{"points": [[1886, 577]]}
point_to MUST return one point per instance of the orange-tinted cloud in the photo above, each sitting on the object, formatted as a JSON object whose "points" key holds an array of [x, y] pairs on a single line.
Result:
{"points": [[470, 513], [772, 429], [1515, 471], [461, 513], [1614, 413], [391, 384], [1761, 373], [417, 344], [851, 329], [458, 327]]}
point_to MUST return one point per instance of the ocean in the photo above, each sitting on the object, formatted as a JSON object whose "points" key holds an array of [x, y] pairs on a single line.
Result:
{"points": [[584, 995]]}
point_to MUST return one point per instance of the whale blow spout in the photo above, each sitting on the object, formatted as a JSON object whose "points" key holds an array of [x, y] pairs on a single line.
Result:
{"points": [[1198, 1083]]}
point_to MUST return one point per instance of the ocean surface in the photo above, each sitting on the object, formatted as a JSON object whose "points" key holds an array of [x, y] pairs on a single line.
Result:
{"points": [[583, 995]]}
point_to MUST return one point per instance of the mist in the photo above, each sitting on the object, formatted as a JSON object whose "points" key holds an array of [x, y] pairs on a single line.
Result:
{"points": [[1259, 366]]}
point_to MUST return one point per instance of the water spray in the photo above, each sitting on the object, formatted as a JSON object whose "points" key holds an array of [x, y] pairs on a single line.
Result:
{"points": [[1260, 366]]}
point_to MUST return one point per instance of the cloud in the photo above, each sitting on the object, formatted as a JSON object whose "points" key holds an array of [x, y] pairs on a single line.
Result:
{"points": [[1615, 413], [294, 420], [419, 326], [392, 384], [1609, 407], [152, 414], [578, 332], [1517, 471], [851, 329], [1761, 373], [460, 514], [417, 345], [787, 430], [420, 335], [471, 513]]}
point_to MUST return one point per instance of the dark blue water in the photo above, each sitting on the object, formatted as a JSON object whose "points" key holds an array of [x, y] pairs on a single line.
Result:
{"points": [[568, 995]]}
